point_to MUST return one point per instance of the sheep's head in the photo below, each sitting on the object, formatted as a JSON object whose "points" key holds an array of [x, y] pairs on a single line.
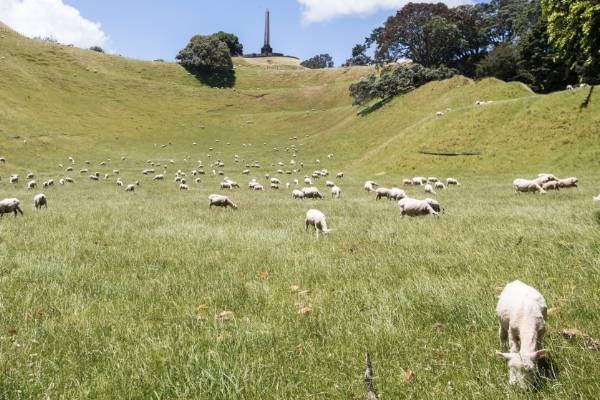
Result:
{"points": [[522, 368]]}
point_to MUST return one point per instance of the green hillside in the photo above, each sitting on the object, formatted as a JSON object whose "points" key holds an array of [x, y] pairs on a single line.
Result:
{"points": [[64, 98]]}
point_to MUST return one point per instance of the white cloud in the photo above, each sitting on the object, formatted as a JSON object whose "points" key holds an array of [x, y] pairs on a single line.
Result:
{"points": [[52, 18], [323, 10]]}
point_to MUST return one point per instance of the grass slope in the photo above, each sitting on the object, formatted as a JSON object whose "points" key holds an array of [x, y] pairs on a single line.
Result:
{"points": [[111, 295]]}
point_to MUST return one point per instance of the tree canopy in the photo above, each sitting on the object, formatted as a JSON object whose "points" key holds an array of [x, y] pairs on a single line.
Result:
{"points": [[209, 59], [318, 61], [232, 42]]}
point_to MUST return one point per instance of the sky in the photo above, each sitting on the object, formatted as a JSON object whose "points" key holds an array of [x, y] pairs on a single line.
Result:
{"points": [[152, 29]]}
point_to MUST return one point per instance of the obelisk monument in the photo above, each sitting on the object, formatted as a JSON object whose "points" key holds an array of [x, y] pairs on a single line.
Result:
{"points": [[267, 50]]}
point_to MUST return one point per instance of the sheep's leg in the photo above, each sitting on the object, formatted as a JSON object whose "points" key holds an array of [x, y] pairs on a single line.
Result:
{"points": [[306, 223], [503, 333], [513, 341]]}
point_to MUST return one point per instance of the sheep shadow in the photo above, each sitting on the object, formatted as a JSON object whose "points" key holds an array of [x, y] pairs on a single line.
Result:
{"points": [[547, 371]]}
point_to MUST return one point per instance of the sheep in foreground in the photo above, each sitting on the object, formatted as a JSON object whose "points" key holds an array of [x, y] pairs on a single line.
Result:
{"points": [[552, 185], [297, 194], [434, 204], [414, 207], [567, 182], [382, 192], [396, 194], [429, 189], [312, 193], [10, 205], [532, 185], [219, 200], [317, 219], [336, 192], [522, 314], [40, 201]]}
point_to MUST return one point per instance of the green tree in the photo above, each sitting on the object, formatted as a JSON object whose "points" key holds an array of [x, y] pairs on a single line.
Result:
{"points": [[318, 61], [232, 42], [573, 29], [97, 49], [208, 58], [502, 63], [359, 56]]}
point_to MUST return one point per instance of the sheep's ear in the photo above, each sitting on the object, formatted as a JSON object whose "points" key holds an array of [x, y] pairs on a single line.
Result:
{"points": [[506, 356], [540, 354]]}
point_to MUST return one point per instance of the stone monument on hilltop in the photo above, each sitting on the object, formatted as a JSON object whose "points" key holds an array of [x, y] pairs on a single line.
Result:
{"points": [[267, 50]]}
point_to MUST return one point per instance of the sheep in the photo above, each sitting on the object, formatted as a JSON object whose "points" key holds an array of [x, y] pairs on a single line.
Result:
{"points": [[439, 185], [382, 192], [220, 201], [183, 186], [30, 175], [452, 181], [396, 194], [119, 182], [116, 171], [31, 184], [226, 185], [552, 185], [439, 114], [414, 207], [10, 205], [407, 182], [2, 160], [68, 179], [258, 186], [198, 180], [329, 184], [432, 179], [50, 182], [370, 186], [61, 181], [567, 182], [130, 188], [312, 193], [317, 219], [275, 181], [159, 177], [307, 181], [339, 175], [69, 169], [596, 199], [434, 204], [569, 87], [297, 194], [246, 172], [14, 179], [522, 314], [429, 189], [418, 181], [336, 192], [40, 200], [93, 178], [274, 186], [532, 185]]}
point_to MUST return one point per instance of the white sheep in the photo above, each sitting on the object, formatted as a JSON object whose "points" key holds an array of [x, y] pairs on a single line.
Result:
{"points": [[439, 185], [307, 181], [439, 114], [429, 189], [92, 178], [434, 204], [596, 199], [370, 186], [31, 184], [184, 186], [406, 182], [396, 194], [552, 185], [329, 184], [312, 193], [522, 314], [382, 192], [61, 181], [418, 180], [317, 219], [275, 181], [532, 185], [130, 188], [297, 194], [452, 181], [258, 186], [432, 179], [220, 201], [30, 175], [414, 207], [336, 192], [339, 175], [14, 179], [40, 200], [567, 182], [274, 186], [10, 205]]}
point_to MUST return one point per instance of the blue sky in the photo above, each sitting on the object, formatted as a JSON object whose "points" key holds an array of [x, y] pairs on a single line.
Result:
{"points": [[150, 29]]}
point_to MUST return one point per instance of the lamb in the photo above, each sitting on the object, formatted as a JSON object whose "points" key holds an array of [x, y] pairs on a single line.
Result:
{"points": [[10, 205], [336, 192], [370, 186], [567, 182], [40, 200], [312, 193], [317, 219], [31, 184], [220, 201], [382, 192], [297, 194], [414, 207], [452, 181], [522, 314], [130, 188], [429, 189], [552, 185]]}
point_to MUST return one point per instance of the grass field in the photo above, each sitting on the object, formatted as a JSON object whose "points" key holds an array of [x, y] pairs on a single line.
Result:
{"points": [[108, 294]]}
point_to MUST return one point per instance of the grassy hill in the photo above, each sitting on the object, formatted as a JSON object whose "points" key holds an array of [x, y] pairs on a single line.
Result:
{"points": [[110, 295]]}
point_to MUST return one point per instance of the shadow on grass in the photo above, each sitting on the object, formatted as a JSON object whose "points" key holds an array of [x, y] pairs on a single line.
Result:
{"points": [[214, 78], [597, 217], [374, 107], [548, 371]]}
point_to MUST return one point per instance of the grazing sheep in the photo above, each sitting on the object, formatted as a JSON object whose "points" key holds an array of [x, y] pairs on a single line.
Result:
{"points": [[130, 188], [61, 181], [297, 194], [418, 181], [40, 200], [2, 160], [370, 186], [406, 182], [183, 186], [567, 182], [439, 114], [69, 169], [10, 205], [258, 186], [596, 199], [220, 201], [69, 180], [569, 87], [382, 192], [339, 175], [307, 181], [159, 177], [275, 181], [312, 193], [119, 182], [30, 175], [336, 192], [452, 181], [396, 194], [329, 184], [429, 189], [31, 184], [439, 185], [226, 185], [414, 207], [434, 204], [532, 185], [14, 179], [317, 219], [432, 179], [552, 185], [522, 314], [93, 178], [274, 186]]}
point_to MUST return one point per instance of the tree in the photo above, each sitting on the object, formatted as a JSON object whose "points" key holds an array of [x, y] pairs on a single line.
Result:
{"points": [[359, 56], [232, 42], [318, 61], [502, 63], [573, 29], [97, 48], [208, 58]]}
